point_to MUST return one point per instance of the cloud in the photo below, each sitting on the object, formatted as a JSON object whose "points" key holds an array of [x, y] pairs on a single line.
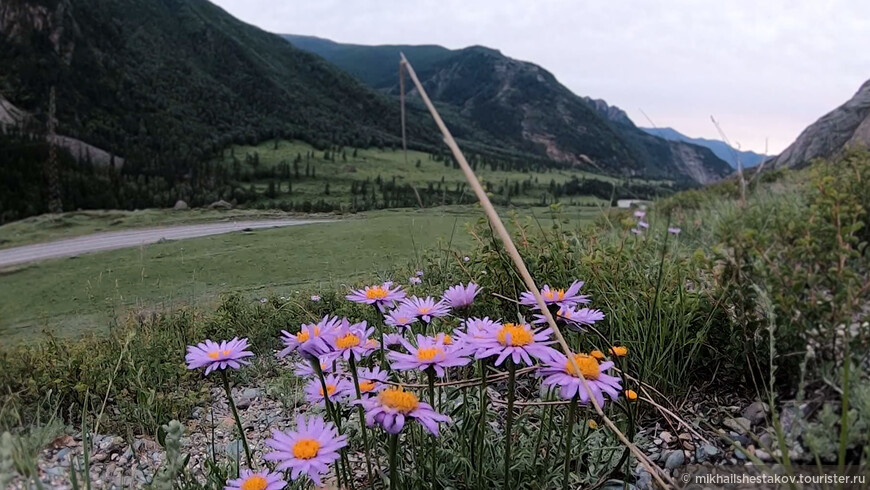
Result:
{"points": [[765, 69]]}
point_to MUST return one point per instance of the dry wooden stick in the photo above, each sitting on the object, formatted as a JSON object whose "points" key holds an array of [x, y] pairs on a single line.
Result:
{"points": [[497, 224]]}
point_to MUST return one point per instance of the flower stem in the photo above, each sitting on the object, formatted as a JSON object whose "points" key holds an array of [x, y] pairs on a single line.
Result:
{"points": [[512, 376], [572, 414], [430, 373], [362, 421], [334, 414], [394, 469], [481, 433], [232, 404]]}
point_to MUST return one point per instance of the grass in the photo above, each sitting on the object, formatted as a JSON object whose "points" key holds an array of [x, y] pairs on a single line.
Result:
{"points": [[84, 294]]}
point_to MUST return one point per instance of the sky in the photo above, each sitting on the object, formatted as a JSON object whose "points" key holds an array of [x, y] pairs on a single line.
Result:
{"points": [[764, 69]]}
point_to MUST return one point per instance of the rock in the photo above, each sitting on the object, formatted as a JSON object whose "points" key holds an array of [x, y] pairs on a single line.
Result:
{"points": [[234, 449], [62, 455], [756, 412], [180, 205], [675, 459], [739, 425], [64, 440], [762, 455], [741, 453], [666, 437], [220, 205]]}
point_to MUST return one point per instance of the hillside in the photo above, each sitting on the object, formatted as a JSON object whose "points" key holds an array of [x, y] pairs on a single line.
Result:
{"points": [[719, 148], [523, 102], [845, 126]]}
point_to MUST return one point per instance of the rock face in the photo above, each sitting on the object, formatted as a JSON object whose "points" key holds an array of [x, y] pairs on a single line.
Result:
{"points": [[844, 127]]}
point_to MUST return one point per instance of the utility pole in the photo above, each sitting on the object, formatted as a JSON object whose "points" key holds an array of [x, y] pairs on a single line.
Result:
{"points": [[54, 203]]}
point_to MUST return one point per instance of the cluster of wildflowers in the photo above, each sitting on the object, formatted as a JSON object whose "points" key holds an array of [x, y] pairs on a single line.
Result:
{"points": [[641, 225], [335, 357]]}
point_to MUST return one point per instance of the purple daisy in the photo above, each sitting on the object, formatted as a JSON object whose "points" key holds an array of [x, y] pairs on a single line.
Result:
{"points": [[643, 224], [371, 380], [428, 353], [636, 231], [475, 329], [582, 316], [315, 298], [351, 340], [393, 339], [309, 449], [312, 339], [673, 230], [383, 296], [517, 341], [212, 355], [262, 480], [559, 372], [414, 280], [425, 308], [304, 369], [570, 296], [337, 388], [639, 214], [460, 296], [394, 405], [400, 317]]}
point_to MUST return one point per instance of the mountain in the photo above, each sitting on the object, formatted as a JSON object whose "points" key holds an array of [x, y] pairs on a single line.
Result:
{"points": [[522, 102], [845, 126], [173, 80], [719, 148]]}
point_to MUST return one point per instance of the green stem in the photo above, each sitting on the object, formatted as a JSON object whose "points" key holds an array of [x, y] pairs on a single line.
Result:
{"points": [[512, 375], [572, 414], [232, 404], [481, 433], [394, 469], [430, 373], [333, 413], [548, 413], [362, 418]]}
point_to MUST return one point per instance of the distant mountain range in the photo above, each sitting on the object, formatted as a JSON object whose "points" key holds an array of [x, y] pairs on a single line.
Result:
{"points": [[521, 102], [844, 127], [719, 148]]}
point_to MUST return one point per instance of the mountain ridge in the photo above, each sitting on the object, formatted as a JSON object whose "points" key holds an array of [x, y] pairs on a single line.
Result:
{"points": [[719, 148]]}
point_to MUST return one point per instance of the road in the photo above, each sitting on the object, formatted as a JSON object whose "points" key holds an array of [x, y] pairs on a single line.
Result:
{"points": [[98, 242]]}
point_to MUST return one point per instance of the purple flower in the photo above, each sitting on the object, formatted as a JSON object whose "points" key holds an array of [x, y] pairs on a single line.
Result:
{"points": [[559, 372], [475, 329], [643, 224], [337, 388], [414, 280], [392, 339], [419, 273], [211, 355], [310, 449], [394, 405], [460, 296], [583, 316], [382, 296], [400, 317], [560, 296], [315, 298], [466, 258], [262, 480], [351, 340], [517, 341], [639, 214], [312, 340], [428, 353], [304, 369], [371, 380], [673, 230], [425, 308], [636, 231]]}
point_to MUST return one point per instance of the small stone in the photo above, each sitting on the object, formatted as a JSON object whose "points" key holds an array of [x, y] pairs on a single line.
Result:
{"points": [[675, 459], [762, 455], [666, 437], [62, 455], [739, 425], [756, 412]]}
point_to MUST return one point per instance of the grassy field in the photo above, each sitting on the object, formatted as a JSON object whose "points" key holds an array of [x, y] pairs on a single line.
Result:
{"points": [[82, 294], [308, 170]]}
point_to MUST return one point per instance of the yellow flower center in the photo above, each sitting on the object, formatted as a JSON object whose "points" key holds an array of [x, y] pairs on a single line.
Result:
{"points": [[554, 294], [428, 353], [376, 292], [255, 482], [424, 309], [347, 341], [588, 366], [592, 424], [366, 386], [597, 354], [447, 340], [631, 395], [305, 335], [216, 354], [513, 335], [305, 448], [619, 351], [329, 389], [399, 399]]}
